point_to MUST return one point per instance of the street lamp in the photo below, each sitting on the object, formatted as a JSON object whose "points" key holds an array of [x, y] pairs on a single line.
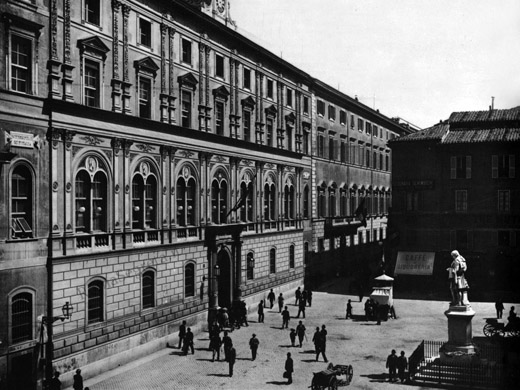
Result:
{"points": [[66, 309]]}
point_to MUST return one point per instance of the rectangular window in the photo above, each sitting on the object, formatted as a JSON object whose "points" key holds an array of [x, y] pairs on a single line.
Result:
{"points": [[92, 12], [185, 109], [321, 108], [145, 32], [305, 105], [219, 118], [289, 97], [332, 113], [504, 201], [186, 51], [321, 145], [145, 98], [270, 130], [21, 64], [503, 166], [361, 124], [246, 124], [219, 66], [460, 167], [332, 149], [91, 82], [305, 142], [343, 117], [270, 88], [461, 201], [352, 122], [368, 128], [343, 152], [247, 78]]}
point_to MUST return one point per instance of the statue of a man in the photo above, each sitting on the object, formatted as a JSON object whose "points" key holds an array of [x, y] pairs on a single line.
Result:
{"points": [[458, 282]]}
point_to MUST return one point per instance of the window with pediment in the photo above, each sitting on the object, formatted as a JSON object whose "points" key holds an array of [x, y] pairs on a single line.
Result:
{"points": [[269, 200], [146, 71], [288, 200], [219, 199], [93, 53], [187, 83], [186, 193], [22, 201], [246, 198], [144, 197]]}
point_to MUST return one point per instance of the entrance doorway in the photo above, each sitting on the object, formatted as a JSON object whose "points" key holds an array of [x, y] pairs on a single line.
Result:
{"points": [[225, 279], [21, 376]]}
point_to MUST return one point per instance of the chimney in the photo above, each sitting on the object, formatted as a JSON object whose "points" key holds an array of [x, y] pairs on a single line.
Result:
{"points": [[492, 102]]}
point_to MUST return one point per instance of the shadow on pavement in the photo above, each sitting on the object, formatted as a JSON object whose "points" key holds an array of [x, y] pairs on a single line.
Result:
{"points": [[220, 375], [286, 346], [376, 377], [308, 351], [309, 360], [276, 383], [177, 353], [205, 360]]}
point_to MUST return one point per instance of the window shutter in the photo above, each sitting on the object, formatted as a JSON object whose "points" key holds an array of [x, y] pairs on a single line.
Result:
{"points": [[453, 238], [494, 166], [470, 239], [453, 167], [512, 166], [468, 167]]}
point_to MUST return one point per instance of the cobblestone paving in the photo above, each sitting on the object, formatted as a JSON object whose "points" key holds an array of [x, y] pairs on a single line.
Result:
{"points": [[364, 345]]}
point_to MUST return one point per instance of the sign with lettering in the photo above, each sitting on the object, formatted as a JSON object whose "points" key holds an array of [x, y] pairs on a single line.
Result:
{"points": [[414, 263], [22, 140]]}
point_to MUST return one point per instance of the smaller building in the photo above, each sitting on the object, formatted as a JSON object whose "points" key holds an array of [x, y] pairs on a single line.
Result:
{"points": [[456, 186]]}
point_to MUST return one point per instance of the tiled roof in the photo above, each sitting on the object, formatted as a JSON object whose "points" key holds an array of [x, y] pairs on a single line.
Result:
{"points": [[472, 127], [485, 116]]}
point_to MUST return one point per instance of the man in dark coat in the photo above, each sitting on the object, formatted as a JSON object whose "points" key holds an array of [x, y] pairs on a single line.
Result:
{"points": [[289, 368], [402, 365], [309, 297], [304, 296], [214, 345], [188, 342], [253, 344], [78, 381], [55, 382], [271, 297], [323, 339], [316, 339], [300, 331], [349, 310], [182, 333], [297, 295], [301, 308], [232, 356], [280, 302], [285, 318], [228, 343], [391, 364], [261, 311]]}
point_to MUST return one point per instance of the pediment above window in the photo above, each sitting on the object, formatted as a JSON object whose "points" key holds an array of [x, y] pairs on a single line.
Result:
{"points": [[290, 118], [271, 110], [146, 65], [11, 19], [248, 102], [221, 92], [93, 46], [188, 80]]}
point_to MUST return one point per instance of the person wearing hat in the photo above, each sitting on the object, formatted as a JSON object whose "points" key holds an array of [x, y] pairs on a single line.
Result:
{"points": [[253, 344], [78, 381]]}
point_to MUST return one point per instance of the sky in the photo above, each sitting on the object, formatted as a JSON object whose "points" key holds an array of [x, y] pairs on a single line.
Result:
{"points": [[419, 60]]}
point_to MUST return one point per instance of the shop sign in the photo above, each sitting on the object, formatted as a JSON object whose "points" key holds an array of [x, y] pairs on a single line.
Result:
{"points": [[414, 263], [22, 140]]}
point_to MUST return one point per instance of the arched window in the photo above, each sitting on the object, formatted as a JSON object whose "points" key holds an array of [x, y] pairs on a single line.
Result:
{"points": [[91, 198], [219, 195], [144, 198], [306, 202], [186, 200], [250, 266], [95, 301], [291, 256], [272, 261], [321, 202], [269, 201], [189, 280], [288, 201], [148, 286], [332, 202], [343, 202], [21, 202], [353, 202], [246, 200], [21, 317]]}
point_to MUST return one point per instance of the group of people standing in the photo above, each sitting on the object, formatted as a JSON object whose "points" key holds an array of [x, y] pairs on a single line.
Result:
{"points": [[397, 365]]}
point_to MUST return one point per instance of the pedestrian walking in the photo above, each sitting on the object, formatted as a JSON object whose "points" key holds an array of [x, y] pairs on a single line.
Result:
{"points": [[253, 344], [188, 342], [214, 344], [499, 306], [349, 310], [55, 382], [323, 341], [78, 380], [309, 298], [292, 335], [301, 308], [289, 368], [243, 313], [271, 298], [182, 333], [304, 297], [232, 356], [261, 311], [316, 339], [402, 366], [280, 302], [228, 343], [285, 318], [300, 331], [298, 296], [391, 364]]}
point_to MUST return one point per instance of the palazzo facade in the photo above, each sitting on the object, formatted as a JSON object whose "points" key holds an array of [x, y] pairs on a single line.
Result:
{"points": [[155, 165]]}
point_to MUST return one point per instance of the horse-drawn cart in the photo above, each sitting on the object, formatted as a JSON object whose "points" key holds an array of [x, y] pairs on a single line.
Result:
{"points": [[493, 328], [333, 377]]}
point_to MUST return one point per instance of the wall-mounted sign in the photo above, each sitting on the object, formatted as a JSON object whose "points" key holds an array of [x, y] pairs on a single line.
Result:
{"points": [[306, 175], [414, 263], [22, 140]]}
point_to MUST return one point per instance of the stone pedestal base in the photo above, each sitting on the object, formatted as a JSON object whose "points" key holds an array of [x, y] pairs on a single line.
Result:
{"points": [[459, 347]]}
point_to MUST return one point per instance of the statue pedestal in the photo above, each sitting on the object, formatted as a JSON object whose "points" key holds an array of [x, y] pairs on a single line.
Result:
{"points": [[459, 347]]}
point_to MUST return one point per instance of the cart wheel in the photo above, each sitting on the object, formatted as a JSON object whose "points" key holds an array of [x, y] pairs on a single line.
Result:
{"points": [[350, 374], [333, 383], [314, 384], [488, 330], [514, 332]]}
